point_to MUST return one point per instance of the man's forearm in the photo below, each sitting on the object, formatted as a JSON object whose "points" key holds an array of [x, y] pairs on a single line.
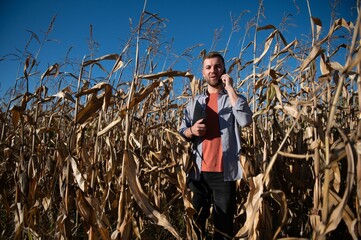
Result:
{"points": [[232, 96], [188, 133]]}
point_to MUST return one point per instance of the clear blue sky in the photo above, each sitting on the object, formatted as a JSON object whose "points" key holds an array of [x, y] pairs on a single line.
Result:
{"points": [[189, 22]]}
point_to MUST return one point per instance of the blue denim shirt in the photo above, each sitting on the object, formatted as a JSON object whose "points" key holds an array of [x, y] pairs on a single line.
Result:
{"points": [[231, 119]]}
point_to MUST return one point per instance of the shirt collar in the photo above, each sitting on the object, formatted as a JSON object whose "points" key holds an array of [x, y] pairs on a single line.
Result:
{"points": [[222, 92]]}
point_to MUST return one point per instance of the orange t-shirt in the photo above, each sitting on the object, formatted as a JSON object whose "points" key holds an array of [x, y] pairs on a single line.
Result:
{"points": [[212, 143]]}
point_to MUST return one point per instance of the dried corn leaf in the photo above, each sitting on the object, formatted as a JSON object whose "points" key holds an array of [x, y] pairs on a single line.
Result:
{"points": [[336, 25], [324, 67], [118, 64], [253, 208], [170, 74], [110, 126], [77, 174], [315, 52], [336, 214], [26, 65], [85, 210], [236, 61], [318, 23], [32, 170], [290, 110], [267, 27], [124, 230], [52, 70], [280, 198], [65, 95], [338, 48], [92, 106], [141, 198], [278, 92], [16, 112], [46, 202], [97, 60], [285, 49], [95, 89], [336, 176], [267, 45], [353, 63], [138, 97], [347, 214]]}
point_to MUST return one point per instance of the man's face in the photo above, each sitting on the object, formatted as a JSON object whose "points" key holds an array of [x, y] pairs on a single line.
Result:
{"points": [[212, 71]]}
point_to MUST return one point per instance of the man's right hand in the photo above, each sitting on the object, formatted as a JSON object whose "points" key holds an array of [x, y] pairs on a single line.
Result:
{"points": [[199, 128]]}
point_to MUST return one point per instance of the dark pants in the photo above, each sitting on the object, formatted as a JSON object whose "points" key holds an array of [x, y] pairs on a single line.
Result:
{"points": [[212, 189]]}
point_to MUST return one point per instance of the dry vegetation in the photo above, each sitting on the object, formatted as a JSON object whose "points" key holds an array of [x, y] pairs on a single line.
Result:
{"points": [[100, 159]]}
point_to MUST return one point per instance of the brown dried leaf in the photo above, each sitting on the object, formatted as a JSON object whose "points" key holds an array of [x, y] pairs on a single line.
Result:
{"points": [[16, 112], [141, 198], [46, 202], [325, 69], [336, 25], [280, 198], [318, 23], [267, 27], [85, 210], [170, 74], [143, 93], [110, 126], [336, 214], [26, 65], [285, 49], [253, 207], [336, 177], [77, 174], [173, 74], [107, 96], [347, 214], [315, 52], [336, 66], [278, 92], [290, 110], [353, 63], [124, 229], [138, 97], [92, 106], [32, 169], [118, 64], [266, 46], [105, 57], [50, 71], [103, 231], [236, 61], [95, 89], [65, 95]]}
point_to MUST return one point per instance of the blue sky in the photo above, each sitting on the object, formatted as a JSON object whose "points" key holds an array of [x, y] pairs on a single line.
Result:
{"points": [[189, 22]]}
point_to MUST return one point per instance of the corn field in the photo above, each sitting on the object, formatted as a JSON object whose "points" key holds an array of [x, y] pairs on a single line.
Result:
{"points": [[103, 159]]}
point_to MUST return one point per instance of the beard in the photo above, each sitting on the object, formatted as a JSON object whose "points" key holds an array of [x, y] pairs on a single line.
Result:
{"points": [[214, 83]]}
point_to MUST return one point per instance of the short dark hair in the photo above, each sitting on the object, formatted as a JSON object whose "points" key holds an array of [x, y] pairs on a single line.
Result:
{"points": [[214, 55]]}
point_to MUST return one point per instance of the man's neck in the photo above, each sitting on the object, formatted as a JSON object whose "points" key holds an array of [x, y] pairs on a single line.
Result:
{"points": [[217, 89]]}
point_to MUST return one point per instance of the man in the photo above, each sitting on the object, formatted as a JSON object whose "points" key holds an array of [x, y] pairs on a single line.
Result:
{"points": [[212, 121]]}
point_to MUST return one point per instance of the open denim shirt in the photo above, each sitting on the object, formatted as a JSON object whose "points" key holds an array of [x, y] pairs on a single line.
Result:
{"points": [[231, 119]]}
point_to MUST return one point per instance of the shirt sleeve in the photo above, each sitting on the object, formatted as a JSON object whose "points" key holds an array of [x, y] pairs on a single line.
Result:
{"points": [[186, 121], [242, 112]]}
